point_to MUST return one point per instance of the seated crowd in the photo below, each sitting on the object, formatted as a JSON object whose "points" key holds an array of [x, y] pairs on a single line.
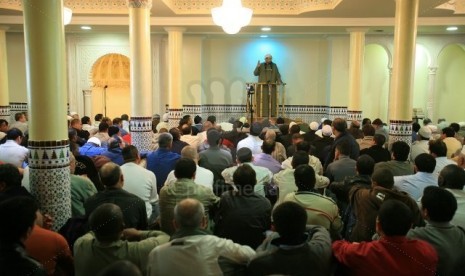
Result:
{"points": [[239, 198]]}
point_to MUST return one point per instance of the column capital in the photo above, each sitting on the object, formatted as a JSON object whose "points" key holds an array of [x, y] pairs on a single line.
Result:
{"points": [[432, 70], [357, 29], [175, 29], [146, 4], [87, 92]]}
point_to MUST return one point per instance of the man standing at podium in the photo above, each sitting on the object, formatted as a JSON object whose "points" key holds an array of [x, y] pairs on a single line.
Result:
{"points": [[268, 76]]}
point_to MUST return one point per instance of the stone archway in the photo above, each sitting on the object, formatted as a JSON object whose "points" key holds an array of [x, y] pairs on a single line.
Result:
{"points": [[111, 93]]}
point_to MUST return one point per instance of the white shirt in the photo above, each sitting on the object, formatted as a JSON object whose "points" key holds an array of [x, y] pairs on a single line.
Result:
{"points": [[459, 217], [12, 153], [441, 162], [418, 147], [196, 255], [142, 183], [203, 177], [313, 162], [254, 143]]}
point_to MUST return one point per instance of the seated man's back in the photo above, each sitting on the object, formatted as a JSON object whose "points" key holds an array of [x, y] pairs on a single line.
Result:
{"points": [[192, 250]]}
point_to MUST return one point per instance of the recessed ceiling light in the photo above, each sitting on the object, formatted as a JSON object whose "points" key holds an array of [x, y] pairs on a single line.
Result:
{"points": [[86, 28], [452, 28], [266, 29], [263, 36]]}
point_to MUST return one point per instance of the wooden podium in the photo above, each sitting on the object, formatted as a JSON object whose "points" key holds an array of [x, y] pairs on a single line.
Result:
{"points": [[264, 99]]}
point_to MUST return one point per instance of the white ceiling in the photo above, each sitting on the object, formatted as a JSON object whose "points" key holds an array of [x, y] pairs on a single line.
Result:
{"points": [[378, 15]]}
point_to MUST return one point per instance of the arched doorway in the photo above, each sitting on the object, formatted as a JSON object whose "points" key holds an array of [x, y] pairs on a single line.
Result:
{"points": [[111, 94]]}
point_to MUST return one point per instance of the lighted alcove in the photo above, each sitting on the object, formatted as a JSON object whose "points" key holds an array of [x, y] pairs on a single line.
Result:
{"points": [[420, 83], [375, 93], [111, 94], [449, 95]]}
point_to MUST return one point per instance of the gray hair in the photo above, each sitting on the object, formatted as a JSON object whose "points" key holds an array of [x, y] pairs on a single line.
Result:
{"points": [[189, 213], [165, 139]]}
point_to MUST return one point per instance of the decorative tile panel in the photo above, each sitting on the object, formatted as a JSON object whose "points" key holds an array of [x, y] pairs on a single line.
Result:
{"points": [[141, 132], [400, 131], [49, 178]]}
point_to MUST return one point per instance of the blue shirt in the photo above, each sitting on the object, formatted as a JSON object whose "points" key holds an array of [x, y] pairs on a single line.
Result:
{"points": [[415, 184], [161, 162], [90, 150], [267, 161], [115, 155]]}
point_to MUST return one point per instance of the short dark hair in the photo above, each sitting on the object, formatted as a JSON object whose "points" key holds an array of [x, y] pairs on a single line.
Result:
{"points": [[125, 117], [164, 140], [211, 119], [327, 122], [2, 121], [294, 129], [438, 147], [290, 220], [10, 175], [303, 146], [197, 119], [455, 127], [245, 178], [174, 131], [440, 203], [110, 174], [366, 121], [339, 124], [343, 148], [426, 121], [13, 134], [395, 218], [185, 168], [379, 139], [103, 126], [244, 155], [85, 120], [377, 122], [415, 127], [448, 131], [112, 130], [452, 177], [365, 164], [18, 115], [117, 120], [98, 117], [299, 158], [130, 153], [383, 177], [304, 176], [107, 222], [400, 150], [268, 146], [425, 163], [280, 120], [284, 129], [18, 215], [368, 130]]}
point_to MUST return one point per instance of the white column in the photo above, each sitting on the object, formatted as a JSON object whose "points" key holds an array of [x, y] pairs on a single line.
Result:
{"points": [[356, 58], [141, 73], [4, 92], [87, 102], [401, 94], [431, 91], [46, 88], [175, 74]]}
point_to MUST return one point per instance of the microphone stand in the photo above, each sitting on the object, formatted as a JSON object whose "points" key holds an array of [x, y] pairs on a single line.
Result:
{"points": [[250, 92], [105, 100]]}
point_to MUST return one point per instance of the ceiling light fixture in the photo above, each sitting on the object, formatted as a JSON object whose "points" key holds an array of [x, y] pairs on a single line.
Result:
{"points": [[67, 15], [263, 36], [231, 16], [86, 28], [266, 29], [452, 28]]}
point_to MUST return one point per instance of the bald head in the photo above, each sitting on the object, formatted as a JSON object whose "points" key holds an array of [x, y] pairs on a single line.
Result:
{"points": [[189, 214], [270, 135], [190, 152], [107, 222], [110, 175]]}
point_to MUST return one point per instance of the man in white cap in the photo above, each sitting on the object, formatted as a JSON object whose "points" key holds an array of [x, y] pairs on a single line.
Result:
{"points": [[421, 145], [267, 73], [164, 122]]}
